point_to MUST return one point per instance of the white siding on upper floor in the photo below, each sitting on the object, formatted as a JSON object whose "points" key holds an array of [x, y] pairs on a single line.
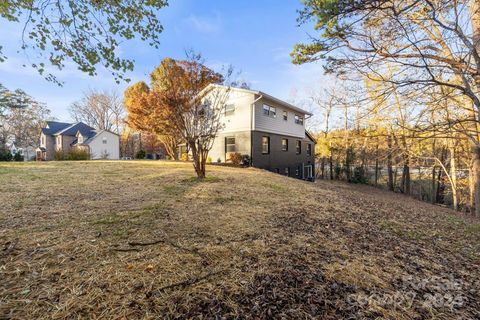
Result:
{"points": [[277, 124], [239, 119], [108, 150]]}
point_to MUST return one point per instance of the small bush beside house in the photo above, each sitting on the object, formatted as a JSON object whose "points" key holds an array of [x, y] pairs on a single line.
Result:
{"points": [[140, 154], [5, 155], [73, 155], [235, 158]]}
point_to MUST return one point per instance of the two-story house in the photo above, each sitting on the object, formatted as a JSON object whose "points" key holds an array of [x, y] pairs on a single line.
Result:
{"points": [[270, 131], [63, 137]]}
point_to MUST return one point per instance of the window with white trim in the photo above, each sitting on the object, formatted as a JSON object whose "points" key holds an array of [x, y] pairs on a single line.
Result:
{"points": [[269, 111], [230, 144], [265, 145], [229, 109], [309, 149], [298, 119], [104, 140], [285, 115], [284, 144], [299, 147]]}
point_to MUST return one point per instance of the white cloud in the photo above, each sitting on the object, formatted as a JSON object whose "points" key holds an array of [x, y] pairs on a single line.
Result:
{"points": [[204, 24]]}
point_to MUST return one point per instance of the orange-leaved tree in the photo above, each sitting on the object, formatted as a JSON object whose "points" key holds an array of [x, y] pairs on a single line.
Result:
{"points": [[184, 99]]}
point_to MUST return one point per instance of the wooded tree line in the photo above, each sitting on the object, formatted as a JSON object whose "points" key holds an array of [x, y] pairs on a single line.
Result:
{"points": [[418, 63], [21, 118]]}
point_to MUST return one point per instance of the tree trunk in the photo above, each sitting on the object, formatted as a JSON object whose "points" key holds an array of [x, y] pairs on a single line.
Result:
{"points": [[198, 164], [331, 166], [471, 189], [475, 13], [376, 164], [453, 177], [389, 163], [476, 176], [433, 197], [322, 168], [440, 185], [406, 175]]}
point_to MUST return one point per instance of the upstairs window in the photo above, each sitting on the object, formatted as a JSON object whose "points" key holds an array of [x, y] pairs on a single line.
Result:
{"points": [[298, 119], [285, 115], [265, 145], [309, 149], [299, 147], [104, 140], [269, 111], [43, 140], [229, 109], [80, 139], [230, 144], [284, 144]]}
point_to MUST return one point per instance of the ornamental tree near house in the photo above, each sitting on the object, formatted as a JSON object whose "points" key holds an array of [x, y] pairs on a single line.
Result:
{"points": [[427, 43], [182, 100]]}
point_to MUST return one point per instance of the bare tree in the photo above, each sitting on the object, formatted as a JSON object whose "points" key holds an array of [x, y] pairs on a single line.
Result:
{"points": [[100, 109]]}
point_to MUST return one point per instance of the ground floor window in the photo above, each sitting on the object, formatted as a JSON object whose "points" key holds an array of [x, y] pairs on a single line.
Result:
{"points": [[230, 144], [307, 172], [299, 147], [284, 144], [287, 171], [265, 145]]}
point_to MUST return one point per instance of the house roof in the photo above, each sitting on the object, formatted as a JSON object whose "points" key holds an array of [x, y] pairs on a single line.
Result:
{"points": [[309, 135], [54, 126], [270, 97], [74, 128]]}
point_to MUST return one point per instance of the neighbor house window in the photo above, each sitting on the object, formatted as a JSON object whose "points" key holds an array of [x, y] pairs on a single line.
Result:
{"points": [[59, 140], [298, 119], [299, 147], [265, 145], [269, 111], [43, 140], [229, 109], [285, 115], [104, 140], [284, 144], [230, 144], [297, 171], [287, 171], [309, 149], [80, 139]]}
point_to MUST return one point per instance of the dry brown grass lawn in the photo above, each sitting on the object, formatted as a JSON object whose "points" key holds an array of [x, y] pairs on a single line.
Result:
{"points": [[116, 240]]}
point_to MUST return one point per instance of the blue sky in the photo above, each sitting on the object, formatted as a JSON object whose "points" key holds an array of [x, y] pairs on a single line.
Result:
{"points": [[256, 37]]}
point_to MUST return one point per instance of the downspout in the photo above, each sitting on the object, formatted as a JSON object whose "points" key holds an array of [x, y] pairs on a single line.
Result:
{"points": [[252, 114]]}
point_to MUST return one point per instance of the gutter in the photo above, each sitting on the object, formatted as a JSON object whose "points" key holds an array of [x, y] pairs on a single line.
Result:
{"points": [[252, 114]]}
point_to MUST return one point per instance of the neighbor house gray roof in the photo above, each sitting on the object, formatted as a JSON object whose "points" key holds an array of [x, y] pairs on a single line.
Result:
{"points": [[72, 130], [54, 126]]}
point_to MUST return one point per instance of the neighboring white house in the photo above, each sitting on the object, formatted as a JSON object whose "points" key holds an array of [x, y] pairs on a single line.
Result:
{"points": [[63, 137], [103, 145]]}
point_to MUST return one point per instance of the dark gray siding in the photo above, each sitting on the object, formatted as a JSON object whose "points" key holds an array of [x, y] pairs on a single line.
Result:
{"points": [[278, 160]]}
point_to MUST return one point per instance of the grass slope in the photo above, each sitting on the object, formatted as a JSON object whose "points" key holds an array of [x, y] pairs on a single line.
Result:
{"points": [[145, 240]]}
